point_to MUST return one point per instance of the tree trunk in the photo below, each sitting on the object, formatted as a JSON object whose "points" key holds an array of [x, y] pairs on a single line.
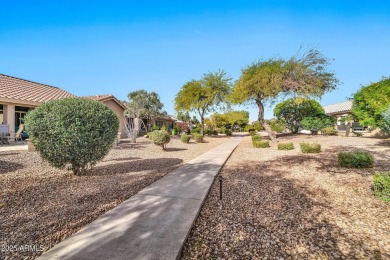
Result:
{"points": [[348, 130], [202, 125], [267, 128]]}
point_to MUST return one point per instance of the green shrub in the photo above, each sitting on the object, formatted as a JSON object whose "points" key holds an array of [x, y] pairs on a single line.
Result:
{"points": [[210, 132], [329, 131], [164, 128], [174, 131], [261, 144], [286, 146], [356, 159], [381, 185], [315, 123], [228, 132], [72, 132], [252, 132], [160, 138], [256, 138], [310, 147], [155, 128], [185, 138], [278, 125], [196, 130], [198, 138], [249, 128], [219, 130]]}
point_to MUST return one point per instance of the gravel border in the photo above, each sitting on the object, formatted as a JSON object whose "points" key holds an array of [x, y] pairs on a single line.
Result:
{"points": [[289, 205], [43, 205]]}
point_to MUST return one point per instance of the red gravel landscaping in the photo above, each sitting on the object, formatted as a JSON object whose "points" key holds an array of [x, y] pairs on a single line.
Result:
{"points": [[41, 205], [290, 205]]}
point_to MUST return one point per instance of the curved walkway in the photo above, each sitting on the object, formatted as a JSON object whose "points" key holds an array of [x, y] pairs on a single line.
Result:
{"points": [[153, 224]]}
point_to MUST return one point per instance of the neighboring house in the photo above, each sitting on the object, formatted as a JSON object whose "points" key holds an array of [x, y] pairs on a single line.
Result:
{"points": [[168, 121], [18, 96], [116, 106], [161, 120], [340, 111]]}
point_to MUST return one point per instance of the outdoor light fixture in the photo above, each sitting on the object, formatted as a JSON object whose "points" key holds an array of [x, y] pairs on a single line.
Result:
{"points": [[220, 187]]}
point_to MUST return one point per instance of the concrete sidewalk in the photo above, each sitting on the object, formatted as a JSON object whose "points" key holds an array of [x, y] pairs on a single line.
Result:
{"points": [[153, 224]]}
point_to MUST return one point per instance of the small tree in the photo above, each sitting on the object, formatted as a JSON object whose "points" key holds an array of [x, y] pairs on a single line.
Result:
{"points": [[143, 104], [264, 81], [371, 102], [72, 132], [386, 121], [293, 110], [184, 116], [204, 95], [160, 138]]}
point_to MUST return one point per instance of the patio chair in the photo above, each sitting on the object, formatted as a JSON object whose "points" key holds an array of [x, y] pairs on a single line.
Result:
{"points": [[4, 132]]}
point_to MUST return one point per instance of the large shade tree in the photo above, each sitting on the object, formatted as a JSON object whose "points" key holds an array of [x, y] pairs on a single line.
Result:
{"points": [[370, 102], [143, 104], [204, 95], [266, 80], [230, 119]]}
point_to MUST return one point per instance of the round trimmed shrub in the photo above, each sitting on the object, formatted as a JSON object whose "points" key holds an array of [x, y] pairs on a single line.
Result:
{"points": [[310, 147], [72, 132], [286, 146], [356, 159], [261, 144], [185, 138], [160, 138], [198, 138], [252, 132]]}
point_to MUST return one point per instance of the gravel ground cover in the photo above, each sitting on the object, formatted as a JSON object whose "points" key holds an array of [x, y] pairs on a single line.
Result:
{"points": [[41, 205], [290, 205]]}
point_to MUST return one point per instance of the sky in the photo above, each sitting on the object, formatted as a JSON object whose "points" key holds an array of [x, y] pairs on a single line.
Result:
{"points": [[115, 47]]}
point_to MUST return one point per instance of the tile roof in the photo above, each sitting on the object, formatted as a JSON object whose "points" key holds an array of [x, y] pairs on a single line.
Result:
{"points": [[343, 107], [106, 97], [21, 89]]}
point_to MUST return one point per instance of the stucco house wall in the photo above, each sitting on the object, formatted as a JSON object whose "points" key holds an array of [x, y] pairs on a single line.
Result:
{"points": [[119, 111]]}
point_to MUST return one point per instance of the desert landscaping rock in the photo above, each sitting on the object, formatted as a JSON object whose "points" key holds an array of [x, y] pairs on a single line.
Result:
{"points": [[289, 205], [43, 205]]}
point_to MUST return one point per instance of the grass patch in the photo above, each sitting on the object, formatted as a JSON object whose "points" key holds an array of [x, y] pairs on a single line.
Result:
{"points": [[310, 147], [356, 159], [286, 146], [381, 185]]}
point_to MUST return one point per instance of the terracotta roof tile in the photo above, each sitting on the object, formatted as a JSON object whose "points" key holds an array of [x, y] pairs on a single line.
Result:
{"points": [[106, 97], [15, 88]]}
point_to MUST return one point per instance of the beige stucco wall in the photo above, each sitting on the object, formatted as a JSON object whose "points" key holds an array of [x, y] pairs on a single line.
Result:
{"points": [[119, 111]]}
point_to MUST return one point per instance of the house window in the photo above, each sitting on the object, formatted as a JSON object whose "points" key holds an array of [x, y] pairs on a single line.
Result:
{"points": [[1, 114], [20, 114]]}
